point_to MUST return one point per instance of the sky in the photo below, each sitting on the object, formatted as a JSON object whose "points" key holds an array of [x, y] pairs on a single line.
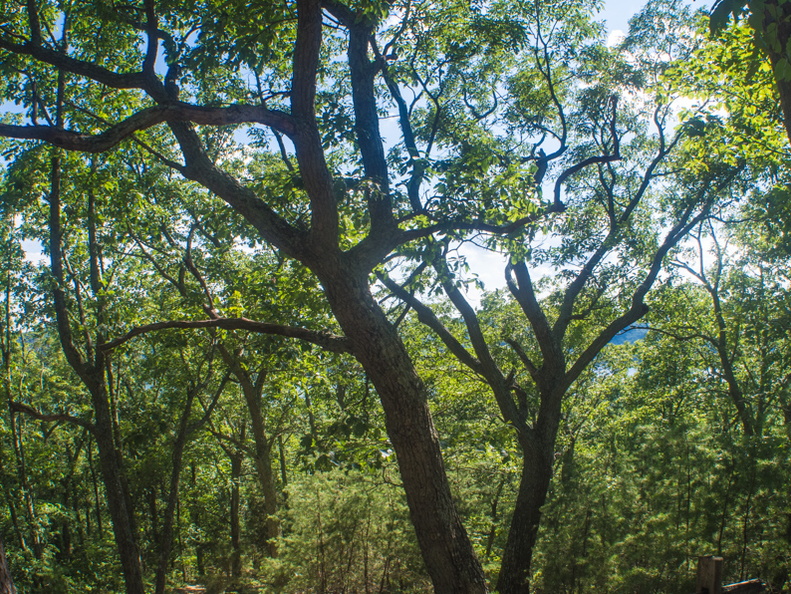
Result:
{"points": [[618, 12]]}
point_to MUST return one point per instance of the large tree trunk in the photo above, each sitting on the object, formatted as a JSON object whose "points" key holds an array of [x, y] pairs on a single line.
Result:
{"points": [[446, 548], [119, 505]]}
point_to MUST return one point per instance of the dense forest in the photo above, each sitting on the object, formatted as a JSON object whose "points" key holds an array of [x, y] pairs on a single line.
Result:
{"points": [[373, 296]]}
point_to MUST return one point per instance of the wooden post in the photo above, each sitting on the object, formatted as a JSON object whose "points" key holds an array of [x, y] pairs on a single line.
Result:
{"points": [[709, 575]]}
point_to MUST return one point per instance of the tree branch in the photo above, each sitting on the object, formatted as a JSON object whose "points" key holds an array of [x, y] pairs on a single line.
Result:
{"points": [[307, 142], [614, 156], [131, 80], [638, 307], [176, 112], [327, 341], [520, 352], [58, 417], [525, 296], [429, 318]]}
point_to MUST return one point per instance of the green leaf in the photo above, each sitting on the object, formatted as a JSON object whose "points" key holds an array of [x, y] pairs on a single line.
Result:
{"points": [[721, 14]]}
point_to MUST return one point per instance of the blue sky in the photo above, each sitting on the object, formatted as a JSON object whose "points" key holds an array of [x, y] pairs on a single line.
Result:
{"points": [[618, 12]]}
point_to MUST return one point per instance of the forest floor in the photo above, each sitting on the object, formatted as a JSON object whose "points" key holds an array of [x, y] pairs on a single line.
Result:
{"points": [[216, 588]]}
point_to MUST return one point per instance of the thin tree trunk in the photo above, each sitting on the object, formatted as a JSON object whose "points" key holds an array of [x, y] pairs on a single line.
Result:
{"points": [[495, 519], [523, 534], [93, 377], [282, 455], [92, 366], [236, 541], [16, 438], [262, 457], [24, 485], [166, 539], [97, 508]]}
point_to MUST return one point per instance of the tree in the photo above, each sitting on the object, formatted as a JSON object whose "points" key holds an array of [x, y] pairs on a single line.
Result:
{"points": [[322, 184], [6, 583], [613, 179], [770, 21], [145, 97]]}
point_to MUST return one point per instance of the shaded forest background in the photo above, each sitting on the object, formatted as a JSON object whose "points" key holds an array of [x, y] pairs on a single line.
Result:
{"points": [[256, 349]]}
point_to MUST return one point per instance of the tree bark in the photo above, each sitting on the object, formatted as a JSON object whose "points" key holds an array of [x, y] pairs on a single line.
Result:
{"points": [[446, 548], [119, 500], [266, 479], [523, 533], [236, 541], [6, 583]]}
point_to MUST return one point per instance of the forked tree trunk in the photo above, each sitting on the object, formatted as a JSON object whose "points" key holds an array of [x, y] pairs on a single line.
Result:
{"points": [[538, 456]]}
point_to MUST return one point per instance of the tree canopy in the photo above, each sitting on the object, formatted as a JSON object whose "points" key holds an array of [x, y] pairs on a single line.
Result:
{"points": [[257, 349]]}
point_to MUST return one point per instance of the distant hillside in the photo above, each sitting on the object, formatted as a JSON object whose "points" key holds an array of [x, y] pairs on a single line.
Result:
{"points": [[630, 335]]}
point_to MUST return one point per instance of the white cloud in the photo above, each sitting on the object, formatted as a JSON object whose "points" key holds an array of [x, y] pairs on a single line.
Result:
{"points": [[615, 37]]}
